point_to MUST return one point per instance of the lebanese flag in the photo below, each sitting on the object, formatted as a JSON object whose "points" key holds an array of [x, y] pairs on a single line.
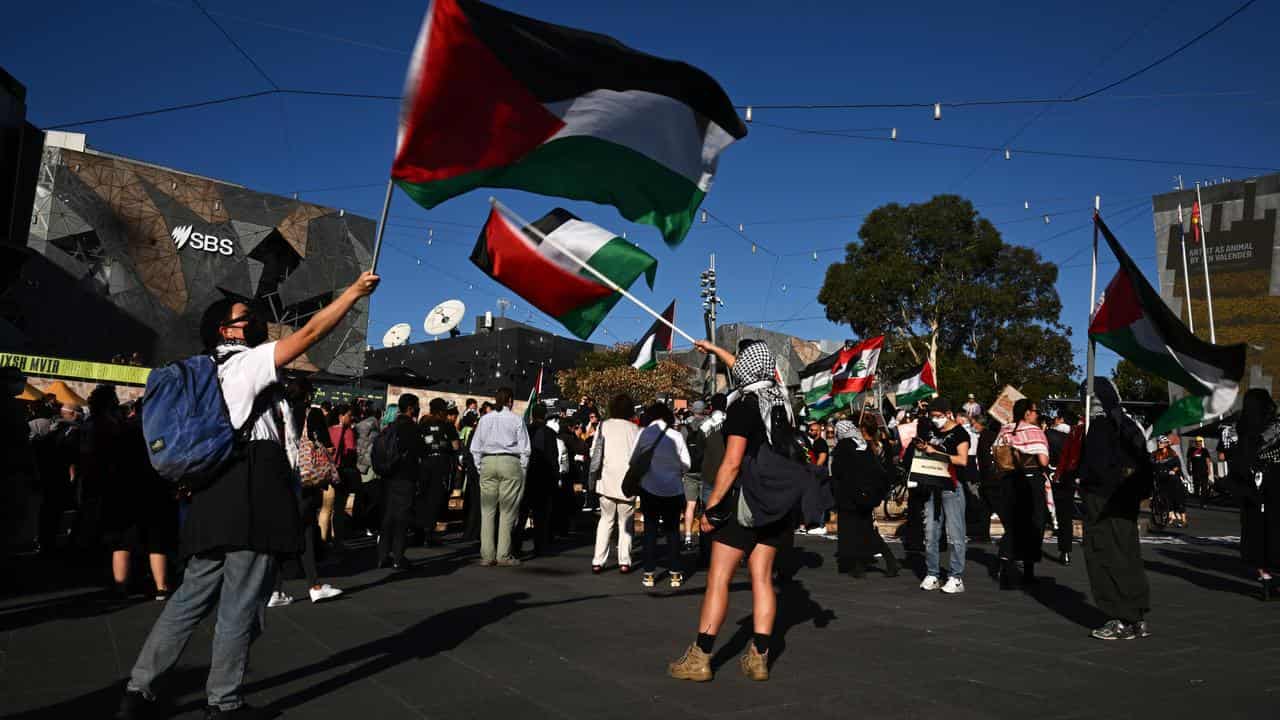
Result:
{"points": [[1134, 322], [495, 99], [855, 368], [546, 278], [644, 356], [919, 386]]}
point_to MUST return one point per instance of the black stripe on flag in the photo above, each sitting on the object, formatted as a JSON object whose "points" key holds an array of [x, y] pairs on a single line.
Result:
{"points": [[560, 63]]}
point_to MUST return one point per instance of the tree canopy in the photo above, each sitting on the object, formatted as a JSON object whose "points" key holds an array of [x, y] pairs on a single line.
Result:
{"points": [[941, 284], [1136, 384], [605, 373]]}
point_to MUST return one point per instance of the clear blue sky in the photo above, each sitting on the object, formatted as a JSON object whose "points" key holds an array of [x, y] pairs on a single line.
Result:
{"points": [[1215, 103]]}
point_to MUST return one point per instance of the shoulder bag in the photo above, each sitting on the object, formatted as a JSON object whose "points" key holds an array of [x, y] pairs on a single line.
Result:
{"points": [[315, 468]]}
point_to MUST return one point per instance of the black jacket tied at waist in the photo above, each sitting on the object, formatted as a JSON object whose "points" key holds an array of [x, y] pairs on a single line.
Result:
{"points": [[249, 506]]}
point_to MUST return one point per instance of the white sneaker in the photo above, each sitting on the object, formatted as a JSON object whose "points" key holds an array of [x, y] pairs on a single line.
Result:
{"points": [[820, 530], [324, 592], [953, 586], [930, 583], [279, 599]]}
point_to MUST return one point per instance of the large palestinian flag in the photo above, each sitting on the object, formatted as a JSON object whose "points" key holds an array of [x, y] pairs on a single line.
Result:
{"points": [[644, 355], [495, 99], [546, 278], [920, 385], [837, 381], [1133, 321]]}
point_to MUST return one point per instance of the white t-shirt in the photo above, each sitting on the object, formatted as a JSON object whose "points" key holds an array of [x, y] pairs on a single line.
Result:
{"points": [[243, 376]]}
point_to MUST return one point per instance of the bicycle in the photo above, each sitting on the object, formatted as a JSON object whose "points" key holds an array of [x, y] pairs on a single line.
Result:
{"points": [[896, 498], [1159, 505]]}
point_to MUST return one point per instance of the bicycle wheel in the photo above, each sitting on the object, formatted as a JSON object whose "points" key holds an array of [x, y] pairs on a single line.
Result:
{"points": [[1159, 511]]}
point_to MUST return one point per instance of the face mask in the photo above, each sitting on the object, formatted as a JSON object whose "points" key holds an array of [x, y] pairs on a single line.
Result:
{"points": [[938, 422], [255, 332]]}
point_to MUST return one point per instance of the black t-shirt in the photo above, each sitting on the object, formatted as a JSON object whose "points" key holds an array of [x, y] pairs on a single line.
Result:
{"points": [[817, 448], [438, 435], [743, 419], [949, 441]]}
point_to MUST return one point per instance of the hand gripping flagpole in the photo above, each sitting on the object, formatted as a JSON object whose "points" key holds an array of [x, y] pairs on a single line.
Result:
{"points": [[527, 226], [382, 226]]}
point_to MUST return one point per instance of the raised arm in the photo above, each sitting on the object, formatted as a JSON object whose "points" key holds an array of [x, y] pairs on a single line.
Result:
{"points": [[322, 323]]}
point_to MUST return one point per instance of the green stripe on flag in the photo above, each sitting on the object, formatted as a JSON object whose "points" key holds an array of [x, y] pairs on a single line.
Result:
{"points": [[582, 167]]}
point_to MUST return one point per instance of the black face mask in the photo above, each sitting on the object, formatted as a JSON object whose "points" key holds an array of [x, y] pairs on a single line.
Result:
{"points": [[255, 332]]}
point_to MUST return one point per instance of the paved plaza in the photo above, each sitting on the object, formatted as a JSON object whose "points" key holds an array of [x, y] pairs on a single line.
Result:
{"points": [[452, 639]]}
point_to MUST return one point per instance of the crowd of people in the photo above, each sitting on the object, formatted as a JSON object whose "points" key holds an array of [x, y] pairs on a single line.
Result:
{"points": [[727, 482]]}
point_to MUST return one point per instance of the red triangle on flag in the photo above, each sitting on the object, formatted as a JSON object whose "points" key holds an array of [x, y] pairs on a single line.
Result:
{"points": [[1121, 306]]}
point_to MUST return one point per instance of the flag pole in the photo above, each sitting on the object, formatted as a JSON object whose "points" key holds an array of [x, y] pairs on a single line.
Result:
{"points": [[1090, 362], [527, 226], [1204, 262], [1186, 277], [382, 225]]}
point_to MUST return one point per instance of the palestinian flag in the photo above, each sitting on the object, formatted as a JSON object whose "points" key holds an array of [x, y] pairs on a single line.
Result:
{"points": [[837, 381], [644, 356], [495, 99], [919, 386], [1134, 322], [534, 393], [544, 276]]}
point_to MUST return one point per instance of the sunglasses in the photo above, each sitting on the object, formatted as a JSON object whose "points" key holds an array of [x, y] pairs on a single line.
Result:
{"points": [[247, 317]]}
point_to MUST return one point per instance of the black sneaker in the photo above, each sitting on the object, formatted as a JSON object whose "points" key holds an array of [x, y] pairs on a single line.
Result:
{"points": [[1141, 630], [136, 706], [244, 712], [1114, 630]]}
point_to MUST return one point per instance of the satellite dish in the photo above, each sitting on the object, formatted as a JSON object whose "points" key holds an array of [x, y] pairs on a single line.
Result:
{"points": [[444, 318], [398, 335]]}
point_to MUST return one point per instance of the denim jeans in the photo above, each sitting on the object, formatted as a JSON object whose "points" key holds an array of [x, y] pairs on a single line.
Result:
{"points": [[953, 516], [239, 583]]}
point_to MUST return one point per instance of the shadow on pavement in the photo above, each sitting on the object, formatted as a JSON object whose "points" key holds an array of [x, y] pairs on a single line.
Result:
{"points": [[795, 606], [439, 633], [1198, 562]]}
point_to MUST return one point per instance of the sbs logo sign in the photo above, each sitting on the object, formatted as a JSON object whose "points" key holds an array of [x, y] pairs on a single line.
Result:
{"points": [[184, 237]]}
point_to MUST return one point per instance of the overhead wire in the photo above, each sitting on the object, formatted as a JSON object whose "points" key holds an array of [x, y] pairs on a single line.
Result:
{"points": [[1016, 101]]}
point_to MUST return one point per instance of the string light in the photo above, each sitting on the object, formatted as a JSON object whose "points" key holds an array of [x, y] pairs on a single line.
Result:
{"points": [[753, 248], [1007, 154], [893, 134], [937, 111], [704, 217], [1046, 219], [748, 113], [742, 229], [815, 256], [1026, 204]]}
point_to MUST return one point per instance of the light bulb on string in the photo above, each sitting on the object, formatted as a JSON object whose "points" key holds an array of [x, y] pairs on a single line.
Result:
{"points": [[937, 111], [1046, 219], [704, 216], [1007, 154], [748, 113], [815, 256], [741, 228], [753, 248], [893, 134], [419, 261], [1026, 204]]}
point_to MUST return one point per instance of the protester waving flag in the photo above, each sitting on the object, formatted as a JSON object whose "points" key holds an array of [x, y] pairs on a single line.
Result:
{"points": [[1134, 322], [644, 356], [495, 99], [920, 385], [541, 274], [534, 393], [836, 381]]}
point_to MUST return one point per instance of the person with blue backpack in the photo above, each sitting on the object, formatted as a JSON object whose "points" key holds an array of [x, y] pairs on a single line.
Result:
{"points": [[215, 424]]}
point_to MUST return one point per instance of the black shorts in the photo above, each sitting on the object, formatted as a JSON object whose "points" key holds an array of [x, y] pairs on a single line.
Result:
{"points": [[777, 534]]}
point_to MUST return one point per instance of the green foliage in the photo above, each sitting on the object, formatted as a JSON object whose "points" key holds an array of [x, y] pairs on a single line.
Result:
{"points": [[605, 373], [1137, 384], [940, 283]]}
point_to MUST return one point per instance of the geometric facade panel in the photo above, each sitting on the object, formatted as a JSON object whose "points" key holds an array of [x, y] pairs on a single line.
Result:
{"points": [[159, 245]]}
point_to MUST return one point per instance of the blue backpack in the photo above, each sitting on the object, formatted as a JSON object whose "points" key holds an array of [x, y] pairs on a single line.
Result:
{"points": [[185, 420]]}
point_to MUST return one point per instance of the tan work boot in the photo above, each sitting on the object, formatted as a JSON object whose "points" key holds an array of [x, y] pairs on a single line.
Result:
{"points": [[754, 665], [693, 665]]}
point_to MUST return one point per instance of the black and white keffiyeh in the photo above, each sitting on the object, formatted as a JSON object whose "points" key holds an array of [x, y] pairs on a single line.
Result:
{"points": [[756, 371]]}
